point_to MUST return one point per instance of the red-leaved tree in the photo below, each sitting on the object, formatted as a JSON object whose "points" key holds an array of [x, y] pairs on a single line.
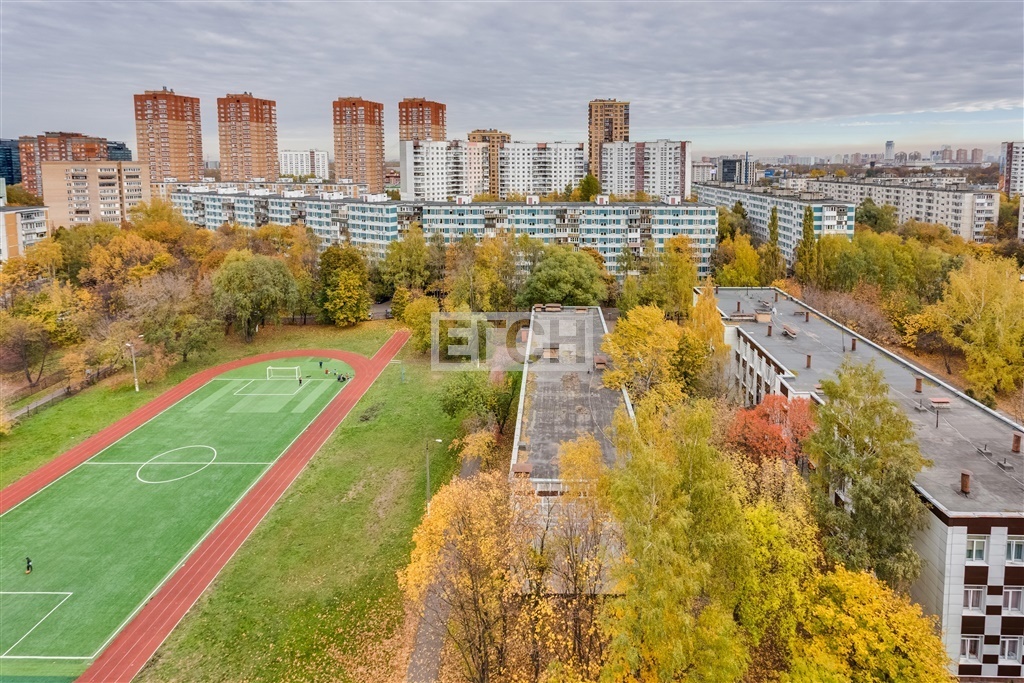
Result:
{"points": [[772, 430]]}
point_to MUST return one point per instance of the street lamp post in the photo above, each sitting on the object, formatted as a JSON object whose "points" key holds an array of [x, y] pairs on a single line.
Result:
{"points": [[135, 372], [426, 456]]}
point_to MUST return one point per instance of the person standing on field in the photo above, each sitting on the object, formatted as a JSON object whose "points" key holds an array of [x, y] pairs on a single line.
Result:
{"points": [[28, 565]]}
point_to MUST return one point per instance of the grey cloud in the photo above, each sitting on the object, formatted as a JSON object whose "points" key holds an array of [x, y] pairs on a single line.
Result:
{"points": [[526, 67]]}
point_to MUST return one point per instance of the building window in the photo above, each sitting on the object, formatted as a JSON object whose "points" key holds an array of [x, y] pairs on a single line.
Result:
{"points": [[970, 649], [974, 598], [1015, 550], [1009, 649], [1012, 599], [976, 548]]}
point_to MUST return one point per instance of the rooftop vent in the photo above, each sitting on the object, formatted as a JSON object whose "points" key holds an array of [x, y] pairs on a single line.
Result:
{"points": [[965, 482]]}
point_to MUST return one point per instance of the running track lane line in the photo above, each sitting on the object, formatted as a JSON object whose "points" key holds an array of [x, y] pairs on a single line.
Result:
{"points": [[138, 641]]}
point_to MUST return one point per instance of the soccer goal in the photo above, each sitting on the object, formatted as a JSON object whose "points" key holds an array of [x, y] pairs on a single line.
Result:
{"points": [[282, 373]]}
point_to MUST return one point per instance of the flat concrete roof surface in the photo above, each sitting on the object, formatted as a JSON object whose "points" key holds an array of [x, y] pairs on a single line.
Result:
{"points": [[564, 396], [969, 436]]}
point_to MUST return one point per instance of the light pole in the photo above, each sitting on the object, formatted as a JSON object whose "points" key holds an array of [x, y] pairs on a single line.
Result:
{"points": [[426, 456], [135, 372]]}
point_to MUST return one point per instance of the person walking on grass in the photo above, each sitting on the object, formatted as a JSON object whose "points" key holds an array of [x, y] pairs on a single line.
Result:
{"points": [[321, 365], [28, 565], [300, 381]]}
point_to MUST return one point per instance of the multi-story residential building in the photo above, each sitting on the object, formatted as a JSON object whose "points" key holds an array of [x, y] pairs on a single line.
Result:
{"points": [[972, 544], [170, 135], [961, 156], [963, 209], [539, 168], [890, 149], [702, 172], [607, 121], [310, 187], [118, 151], [440, 171], [81, 192], [739, 170], [373, 223], [359, 142], [421, 119], [495, 139], [977, 155], [1011, 168], [247, 127], [10, 162], [22, 227], [831, 217], [302, 162], [33, 150], [660, 168]]}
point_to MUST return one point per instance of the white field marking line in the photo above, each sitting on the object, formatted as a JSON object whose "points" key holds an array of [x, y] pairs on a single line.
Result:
{"points": [[276, 380], [209, 531], [212, 464], [138, 473], [260, 520], [99, 452], [66, 596]]}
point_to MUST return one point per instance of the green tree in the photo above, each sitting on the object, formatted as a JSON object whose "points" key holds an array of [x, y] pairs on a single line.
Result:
{"points": [[629, 297], [77, 242], [405, 264], [417, 316], [249, 290], [670, 278], [17, 195], [878, 218], [589, 187], [866, 453], [772, 263], [564, 276], [474, 393], [348, 301], [399, 301], [807, 252]]}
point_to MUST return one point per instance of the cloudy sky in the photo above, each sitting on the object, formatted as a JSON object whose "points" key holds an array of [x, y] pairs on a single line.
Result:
{"points": [[768, 77]]}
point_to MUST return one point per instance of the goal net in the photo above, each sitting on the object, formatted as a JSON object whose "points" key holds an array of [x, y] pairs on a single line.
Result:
{"points": [[282, 373]]}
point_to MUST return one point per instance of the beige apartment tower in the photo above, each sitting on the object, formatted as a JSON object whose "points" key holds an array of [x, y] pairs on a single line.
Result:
{"points": [[80, 192], [33, 150], [247, 128], [170, 135], [608, 122], [359, 142], [495, 140], [420, 119]]}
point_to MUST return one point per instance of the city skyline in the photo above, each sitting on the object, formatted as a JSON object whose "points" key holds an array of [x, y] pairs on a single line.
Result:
{"points": [[822, 97]]}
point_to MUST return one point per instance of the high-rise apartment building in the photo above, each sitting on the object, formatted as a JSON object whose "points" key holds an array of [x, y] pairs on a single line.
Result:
{"points": [[739, 170], [33, 150], [170, 135], [359, 142], [494, 139], [890, 150], [303, 162], [1011, 168], [977, 155], [421, 119], [961, 156], [80, 192], [118, 151], [437, 171], [10, 162], [608, 121], [247, 127], [539, 168], [661, 168]]}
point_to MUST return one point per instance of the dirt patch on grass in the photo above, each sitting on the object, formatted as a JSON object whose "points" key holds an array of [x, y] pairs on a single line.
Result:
{"points": [[353, 491], [384, 502], [370, 413]]}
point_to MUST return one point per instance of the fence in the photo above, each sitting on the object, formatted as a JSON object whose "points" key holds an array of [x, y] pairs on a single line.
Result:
{"points": [[66, 392], [44, 383]]}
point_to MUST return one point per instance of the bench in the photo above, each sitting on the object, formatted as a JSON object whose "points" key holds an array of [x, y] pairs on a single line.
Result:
{"points": [[789, 331]]}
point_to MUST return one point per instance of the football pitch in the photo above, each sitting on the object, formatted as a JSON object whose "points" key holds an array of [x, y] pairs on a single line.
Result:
{"points": [[107, 534]]}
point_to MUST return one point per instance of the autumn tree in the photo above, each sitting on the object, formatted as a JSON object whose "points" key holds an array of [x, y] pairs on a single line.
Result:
{"points": [[566, 277], [248, 290], [673, 278], [77, 242], [981, 313], [125, 258], [348, 301], [589, 188], [773, 429], [474, 392], [878, 218], [27, 344], [405, 263], [417, 316], [806, 267], [683, 555], [866, 454], [642, 350], [744, 269], [858, 629], [17, 195], [46, 255]]}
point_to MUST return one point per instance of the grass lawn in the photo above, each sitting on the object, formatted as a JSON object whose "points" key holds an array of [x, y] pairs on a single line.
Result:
{"points": [[106, 534], [312, 595], [46, 435]]}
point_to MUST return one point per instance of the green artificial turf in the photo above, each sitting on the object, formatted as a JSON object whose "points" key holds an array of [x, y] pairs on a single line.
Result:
{"points": [[105, 535]]}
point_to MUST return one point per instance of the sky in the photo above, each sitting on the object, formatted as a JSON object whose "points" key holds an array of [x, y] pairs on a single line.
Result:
{"points": [[768, 77]]}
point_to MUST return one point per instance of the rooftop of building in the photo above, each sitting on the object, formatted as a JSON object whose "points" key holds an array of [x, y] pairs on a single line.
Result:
{"points": [[934, 183], [14, 209], [563, 396], [969, 435], [802, 196]]}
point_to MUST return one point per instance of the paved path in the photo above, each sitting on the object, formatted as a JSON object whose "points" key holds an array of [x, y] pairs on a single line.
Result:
{"points": [[15, 414], [138, 641]]}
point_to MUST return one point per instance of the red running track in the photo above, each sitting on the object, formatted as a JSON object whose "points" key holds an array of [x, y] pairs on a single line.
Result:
{"points": [[139, 640]]}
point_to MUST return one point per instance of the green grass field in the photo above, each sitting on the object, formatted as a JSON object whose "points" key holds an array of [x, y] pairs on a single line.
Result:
{"points": [[105, 535]]}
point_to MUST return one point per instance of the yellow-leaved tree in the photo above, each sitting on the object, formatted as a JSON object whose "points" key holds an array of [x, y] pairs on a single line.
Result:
{"points": [[642, 351]]}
